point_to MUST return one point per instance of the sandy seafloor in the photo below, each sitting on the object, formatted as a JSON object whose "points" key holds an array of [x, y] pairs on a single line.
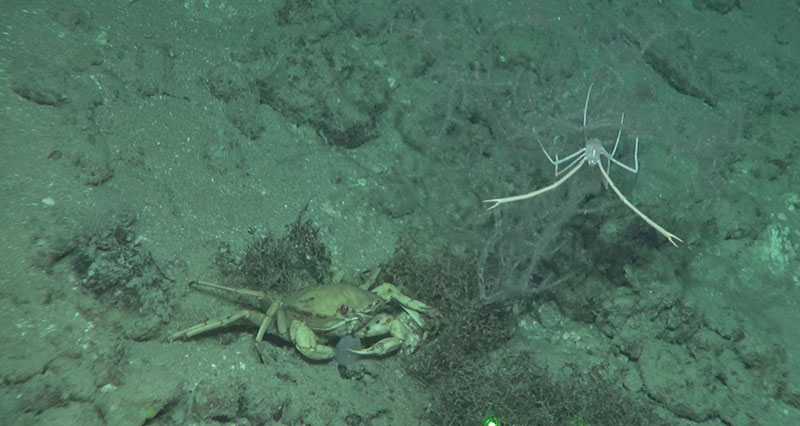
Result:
{"points": [[174, 130]]}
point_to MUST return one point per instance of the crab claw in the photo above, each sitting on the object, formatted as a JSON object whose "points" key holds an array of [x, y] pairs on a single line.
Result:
{"points": [[382, 347], [404, 334], [306, 342], [413, 307]]}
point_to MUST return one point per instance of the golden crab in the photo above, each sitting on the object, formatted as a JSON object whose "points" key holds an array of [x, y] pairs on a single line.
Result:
{"points": [[313, 317]]}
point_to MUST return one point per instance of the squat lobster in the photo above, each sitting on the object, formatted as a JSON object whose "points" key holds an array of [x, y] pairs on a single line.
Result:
{"points": [[592, 154]]}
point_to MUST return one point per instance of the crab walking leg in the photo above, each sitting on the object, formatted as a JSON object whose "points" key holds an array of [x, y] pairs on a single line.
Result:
{"points": [[554, 185], [267, 321], [242, 291], [215, 323], [670, 236]]}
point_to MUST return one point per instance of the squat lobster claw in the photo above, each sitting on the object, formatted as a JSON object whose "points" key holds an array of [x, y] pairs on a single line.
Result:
{"points": [[592, 153]]}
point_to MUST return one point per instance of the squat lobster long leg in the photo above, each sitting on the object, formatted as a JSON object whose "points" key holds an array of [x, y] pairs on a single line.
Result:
{"points": [[554, 185], [592, 153], [670, 236]]}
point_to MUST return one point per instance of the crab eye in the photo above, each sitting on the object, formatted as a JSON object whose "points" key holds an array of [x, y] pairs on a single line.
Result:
{"points": [[344, 309]]}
